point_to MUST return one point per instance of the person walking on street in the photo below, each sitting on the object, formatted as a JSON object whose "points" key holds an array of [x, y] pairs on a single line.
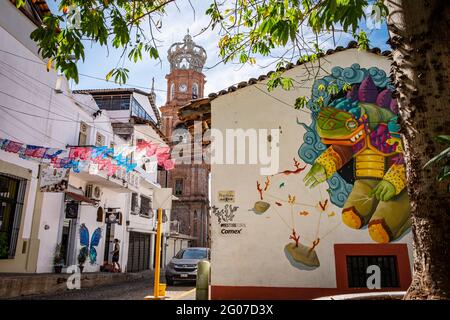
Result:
{"points": [[115, 257]]}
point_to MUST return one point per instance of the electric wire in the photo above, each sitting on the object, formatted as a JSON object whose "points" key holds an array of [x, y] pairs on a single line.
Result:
{"points": [[35, 129], [81, 74], [77, 101], [74, 120]]}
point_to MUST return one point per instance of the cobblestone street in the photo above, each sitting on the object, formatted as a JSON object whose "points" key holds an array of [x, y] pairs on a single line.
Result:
{"points": [[129, 290]]}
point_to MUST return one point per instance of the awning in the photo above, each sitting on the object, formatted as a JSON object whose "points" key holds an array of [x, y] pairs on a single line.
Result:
{"points": [[80, 198]]}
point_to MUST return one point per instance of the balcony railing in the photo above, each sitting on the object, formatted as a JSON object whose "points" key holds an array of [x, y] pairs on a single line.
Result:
{"points": [[138, 111], [131, 177]]}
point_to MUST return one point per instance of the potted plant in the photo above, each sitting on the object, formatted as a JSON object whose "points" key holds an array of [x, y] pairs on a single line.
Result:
{"points": [[58, 259], [82, 256]]}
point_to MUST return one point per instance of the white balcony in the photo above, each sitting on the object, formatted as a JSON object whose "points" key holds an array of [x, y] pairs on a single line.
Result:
{"points": [[119, 182]]}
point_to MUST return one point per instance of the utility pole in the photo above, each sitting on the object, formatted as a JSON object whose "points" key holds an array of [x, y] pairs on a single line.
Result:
{"points": [[163, 200]]}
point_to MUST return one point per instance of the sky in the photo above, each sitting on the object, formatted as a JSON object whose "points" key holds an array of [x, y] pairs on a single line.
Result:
{"points": [[175, 23]]}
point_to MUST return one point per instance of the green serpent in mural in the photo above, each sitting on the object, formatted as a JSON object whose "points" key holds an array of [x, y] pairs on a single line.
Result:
{"points": [[363, 125]]}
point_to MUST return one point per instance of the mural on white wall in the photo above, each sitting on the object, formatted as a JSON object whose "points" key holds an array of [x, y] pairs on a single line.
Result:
{"points": [[353, 146], [295, 211], [88, 247]]}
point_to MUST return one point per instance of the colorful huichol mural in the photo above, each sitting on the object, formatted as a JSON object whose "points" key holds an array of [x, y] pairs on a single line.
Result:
{"points": [[354, 146]]}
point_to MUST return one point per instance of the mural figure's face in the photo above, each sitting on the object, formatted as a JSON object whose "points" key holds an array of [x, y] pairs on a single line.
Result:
{"points": [[336, 126]]}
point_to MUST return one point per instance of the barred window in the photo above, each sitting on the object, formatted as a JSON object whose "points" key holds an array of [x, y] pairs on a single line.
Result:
{"points": [[113, 102], [12, 193], [357, 270], [146, 207]]}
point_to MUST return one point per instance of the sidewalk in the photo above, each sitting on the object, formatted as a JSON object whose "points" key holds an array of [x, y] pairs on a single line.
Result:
{"points": [[188, 295], [17, 285]]}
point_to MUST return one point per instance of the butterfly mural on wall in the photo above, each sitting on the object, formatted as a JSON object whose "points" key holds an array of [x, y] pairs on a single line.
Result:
{"points": [[90, 247]]}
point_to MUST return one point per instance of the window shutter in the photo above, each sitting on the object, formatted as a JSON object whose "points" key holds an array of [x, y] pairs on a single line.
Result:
{"points": [[120, 218]]}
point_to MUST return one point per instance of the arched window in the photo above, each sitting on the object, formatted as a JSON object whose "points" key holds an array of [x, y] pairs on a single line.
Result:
{"points": [[178, 187], [172, 91], [180, 133], [194, 91], [100, 214]]}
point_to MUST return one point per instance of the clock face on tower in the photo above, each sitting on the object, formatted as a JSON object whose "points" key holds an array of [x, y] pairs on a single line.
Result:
{"points": [[182, 87]]}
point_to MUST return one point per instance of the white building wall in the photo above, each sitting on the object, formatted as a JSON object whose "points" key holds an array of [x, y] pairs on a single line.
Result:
{"points": [[33, 112], [49, 229], [118, 115], [256, 257], [88, 216]]}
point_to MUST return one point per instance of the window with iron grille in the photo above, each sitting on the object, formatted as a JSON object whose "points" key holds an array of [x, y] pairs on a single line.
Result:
{"points": [[357, 270], [146, 207], [113, 102], [12, 193], [138, 111]]}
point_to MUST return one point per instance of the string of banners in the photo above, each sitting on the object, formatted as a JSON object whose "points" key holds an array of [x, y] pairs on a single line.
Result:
{"points": [[95, 158]]}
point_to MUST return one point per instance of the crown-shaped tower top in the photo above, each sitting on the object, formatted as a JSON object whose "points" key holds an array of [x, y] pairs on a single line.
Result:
{"points": [[186, 55]]}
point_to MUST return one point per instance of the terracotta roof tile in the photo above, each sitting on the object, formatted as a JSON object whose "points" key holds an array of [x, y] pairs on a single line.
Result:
{"points": [[242, 84], [39, 9], [194, 105]]}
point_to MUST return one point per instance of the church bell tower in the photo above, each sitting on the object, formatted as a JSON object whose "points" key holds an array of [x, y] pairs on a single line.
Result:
{"points": [[185, 82], [189, 182]]}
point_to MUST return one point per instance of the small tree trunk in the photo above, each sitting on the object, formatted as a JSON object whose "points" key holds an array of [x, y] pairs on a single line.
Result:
{"points": [[420, 37]]}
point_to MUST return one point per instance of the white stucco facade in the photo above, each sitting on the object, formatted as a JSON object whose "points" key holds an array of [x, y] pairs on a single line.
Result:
{"points": [[244, 264], [38, 108]]}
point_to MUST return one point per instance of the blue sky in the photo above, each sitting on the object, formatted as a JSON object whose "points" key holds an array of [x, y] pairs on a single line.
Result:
{"points": [[99, 61]]}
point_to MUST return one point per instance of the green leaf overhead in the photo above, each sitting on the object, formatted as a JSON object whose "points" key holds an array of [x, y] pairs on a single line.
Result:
{"points": [[62, 36]]}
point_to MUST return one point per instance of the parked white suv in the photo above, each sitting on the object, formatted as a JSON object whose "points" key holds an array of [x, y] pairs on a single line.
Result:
{"points": [[183, 266]]}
